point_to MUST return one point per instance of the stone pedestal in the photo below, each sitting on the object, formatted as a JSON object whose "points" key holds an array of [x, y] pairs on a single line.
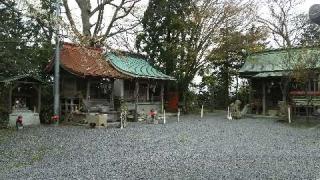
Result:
{"points": [[100, 120], [28, 118]]}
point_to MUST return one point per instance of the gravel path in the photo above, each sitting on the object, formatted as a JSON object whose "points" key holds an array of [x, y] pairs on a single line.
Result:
{"points": [[213, 148]]}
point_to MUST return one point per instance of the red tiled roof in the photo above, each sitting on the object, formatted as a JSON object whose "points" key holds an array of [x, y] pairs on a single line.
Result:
{"points": [[83, 61]]}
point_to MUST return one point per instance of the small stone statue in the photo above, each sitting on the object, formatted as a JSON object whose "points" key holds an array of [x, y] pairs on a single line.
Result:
{"points": [[236, 113], [123, 113], [153, 114], [235, 109], [283, 109], [19, 124], [245, 110], [232, 110]]}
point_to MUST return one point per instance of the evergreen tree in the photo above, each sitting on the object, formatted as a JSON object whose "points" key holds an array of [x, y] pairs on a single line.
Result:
{"points": [[179, 35], [229, 55], [24, 47]]}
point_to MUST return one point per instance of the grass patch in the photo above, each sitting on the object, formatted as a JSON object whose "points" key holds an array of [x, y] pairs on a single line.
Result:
{"points": [[5, 134]]}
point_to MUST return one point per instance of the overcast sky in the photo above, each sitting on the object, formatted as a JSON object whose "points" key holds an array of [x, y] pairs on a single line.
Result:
{"points": [[308, 3]]}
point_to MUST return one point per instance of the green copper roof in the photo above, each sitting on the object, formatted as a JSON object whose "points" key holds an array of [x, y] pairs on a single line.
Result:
{"points": [[277, 60], [136, 67]]}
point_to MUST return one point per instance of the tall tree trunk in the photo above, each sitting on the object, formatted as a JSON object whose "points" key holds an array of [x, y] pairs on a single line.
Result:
{"points": [[225, 77], [85, 8]]}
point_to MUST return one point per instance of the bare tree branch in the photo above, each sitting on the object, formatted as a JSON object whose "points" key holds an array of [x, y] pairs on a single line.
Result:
{"points": [[100, 6], [99, 20], [93, 32], [71, 21]]}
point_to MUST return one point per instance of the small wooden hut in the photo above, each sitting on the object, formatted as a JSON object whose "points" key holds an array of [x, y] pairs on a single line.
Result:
{"points": [[24, 98], [266, 71], [90, 81], [145, 91], [86, 80]]}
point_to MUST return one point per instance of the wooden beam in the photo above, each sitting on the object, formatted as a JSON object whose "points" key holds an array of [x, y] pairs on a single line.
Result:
{"points": [[318, 83], [88, 89], [250, 90], [264, 98], [112, 94], [136, 100], [148, 93], [250, 94]]}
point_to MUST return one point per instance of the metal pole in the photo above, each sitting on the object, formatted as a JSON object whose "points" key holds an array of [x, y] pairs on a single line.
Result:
{"points": [[56, 108]]}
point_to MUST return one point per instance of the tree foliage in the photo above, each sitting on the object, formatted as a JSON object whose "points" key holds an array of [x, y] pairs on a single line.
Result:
{"points": [[179, 35], [228, 56], [25, 47], [22, 48]]}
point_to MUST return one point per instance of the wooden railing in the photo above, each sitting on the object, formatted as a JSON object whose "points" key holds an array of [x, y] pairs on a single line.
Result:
{"points": [[304, 93], [306, 100]]}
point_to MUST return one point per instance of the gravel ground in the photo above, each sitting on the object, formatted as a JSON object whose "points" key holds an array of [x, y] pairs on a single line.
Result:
{"points": [[211, 148]]}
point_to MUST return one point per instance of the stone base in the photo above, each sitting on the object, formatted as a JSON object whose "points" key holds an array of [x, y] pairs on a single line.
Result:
{"points": [[100, 120], [113, 116], [161, 120], [273, 113], [28, 118]]}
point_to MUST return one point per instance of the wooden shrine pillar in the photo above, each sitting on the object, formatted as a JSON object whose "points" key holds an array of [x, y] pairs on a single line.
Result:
{"points": [[136, 95], [39, 99], [162, 97], [148, 91], [250, 91], [263, 97], [112, 94], [38, 89], [88, 89]]}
